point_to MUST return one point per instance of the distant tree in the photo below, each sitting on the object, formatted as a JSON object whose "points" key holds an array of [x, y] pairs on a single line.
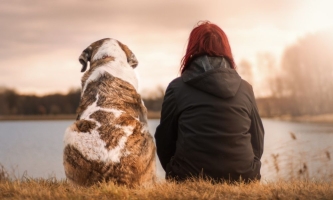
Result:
{"points": [[245, 70], [154, 100], [307, 73], [270, 72], [4, 104], [73, 99], [10, 99]]}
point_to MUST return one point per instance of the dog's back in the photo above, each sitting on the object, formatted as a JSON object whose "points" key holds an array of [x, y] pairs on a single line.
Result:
{"points": [[110, 139]]}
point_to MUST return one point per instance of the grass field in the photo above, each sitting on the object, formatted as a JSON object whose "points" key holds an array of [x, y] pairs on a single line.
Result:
{"points": [[26, 188]]}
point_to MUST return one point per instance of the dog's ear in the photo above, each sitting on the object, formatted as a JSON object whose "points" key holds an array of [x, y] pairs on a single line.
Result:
{"points": [[85, 57], [131, 59]]}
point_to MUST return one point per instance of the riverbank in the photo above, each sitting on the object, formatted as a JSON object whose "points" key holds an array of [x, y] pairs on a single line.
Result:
{"points": [[151, 115], [36, 117], [323, 118]]}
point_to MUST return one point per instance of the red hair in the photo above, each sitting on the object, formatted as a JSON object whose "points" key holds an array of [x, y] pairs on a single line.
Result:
{"points": [[207, 39]]}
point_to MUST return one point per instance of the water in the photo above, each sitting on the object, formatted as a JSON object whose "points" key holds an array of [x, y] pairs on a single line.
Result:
{"points": [[34, 149]]}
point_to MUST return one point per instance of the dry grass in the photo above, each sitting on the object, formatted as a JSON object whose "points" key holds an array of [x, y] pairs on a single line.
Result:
{"points": [[27, 188]]}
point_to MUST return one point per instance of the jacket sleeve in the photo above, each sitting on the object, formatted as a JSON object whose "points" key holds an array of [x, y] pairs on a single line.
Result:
{"points": [[257, 131], [166, 132]]}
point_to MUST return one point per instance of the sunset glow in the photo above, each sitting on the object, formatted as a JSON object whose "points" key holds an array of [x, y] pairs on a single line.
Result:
{"points": [[41, 41]]}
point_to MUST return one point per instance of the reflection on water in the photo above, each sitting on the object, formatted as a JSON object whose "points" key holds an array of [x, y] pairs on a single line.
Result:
{"points": [[291, 149]]}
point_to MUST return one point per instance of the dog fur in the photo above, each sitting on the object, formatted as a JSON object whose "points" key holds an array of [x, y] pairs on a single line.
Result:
{"points": [[110, 140]]}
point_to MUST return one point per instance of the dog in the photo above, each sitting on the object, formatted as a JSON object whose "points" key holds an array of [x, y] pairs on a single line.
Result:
{"points": [[109, 141]]}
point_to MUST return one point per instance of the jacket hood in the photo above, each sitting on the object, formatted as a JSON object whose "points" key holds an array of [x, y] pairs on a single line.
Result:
{"points": [[212, 75]]}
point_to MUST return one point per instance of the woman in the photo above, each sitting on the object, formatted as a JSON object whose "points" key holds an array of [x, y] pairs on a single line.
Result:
{"points": [[210, 126]]}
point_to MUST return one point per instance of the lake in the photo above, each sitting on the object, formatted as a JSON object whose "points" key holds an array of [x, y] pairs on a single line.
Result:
{"points": [[292, 150]]}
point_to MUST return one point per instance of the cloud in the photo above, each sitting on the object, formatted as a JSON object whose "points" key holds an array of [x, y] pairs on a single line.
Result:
{"points": [[51, 24], [30, 27]]}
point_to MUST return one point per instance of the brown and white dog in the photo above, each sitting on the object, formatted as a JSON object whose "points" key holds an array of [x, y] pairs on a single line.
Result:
{"points": [[110, 140]]}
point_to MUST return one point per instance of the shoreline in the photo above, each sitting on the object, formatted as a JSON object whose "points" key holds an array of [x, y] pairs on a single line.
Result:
{"points": [[36, 117], [151, 115], [323, 118]]}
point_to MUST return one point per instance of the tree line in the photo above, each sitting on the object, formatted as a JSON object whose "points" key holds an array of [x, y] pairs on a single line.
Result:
{"points": [[13, 103]]}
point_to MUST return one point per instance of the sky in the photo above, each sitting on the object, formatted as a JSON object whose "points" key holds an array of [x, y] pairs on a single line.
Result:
{"points": [[41, 40]]}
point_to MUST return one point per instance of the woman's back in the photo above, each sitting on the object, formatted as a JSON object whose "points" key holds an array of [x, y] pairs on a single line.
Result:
{"points": [[213, 110], [210, 124]]}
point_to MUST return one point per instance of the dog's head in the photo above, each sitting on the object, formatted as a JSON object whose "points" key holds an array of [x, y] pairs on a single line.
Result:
{"points": [[106, 50]]}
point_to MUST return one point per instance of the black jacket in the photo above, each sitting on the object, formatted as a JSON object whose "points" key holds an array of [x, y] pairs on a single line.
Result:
{"points": [[210, 124]]}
